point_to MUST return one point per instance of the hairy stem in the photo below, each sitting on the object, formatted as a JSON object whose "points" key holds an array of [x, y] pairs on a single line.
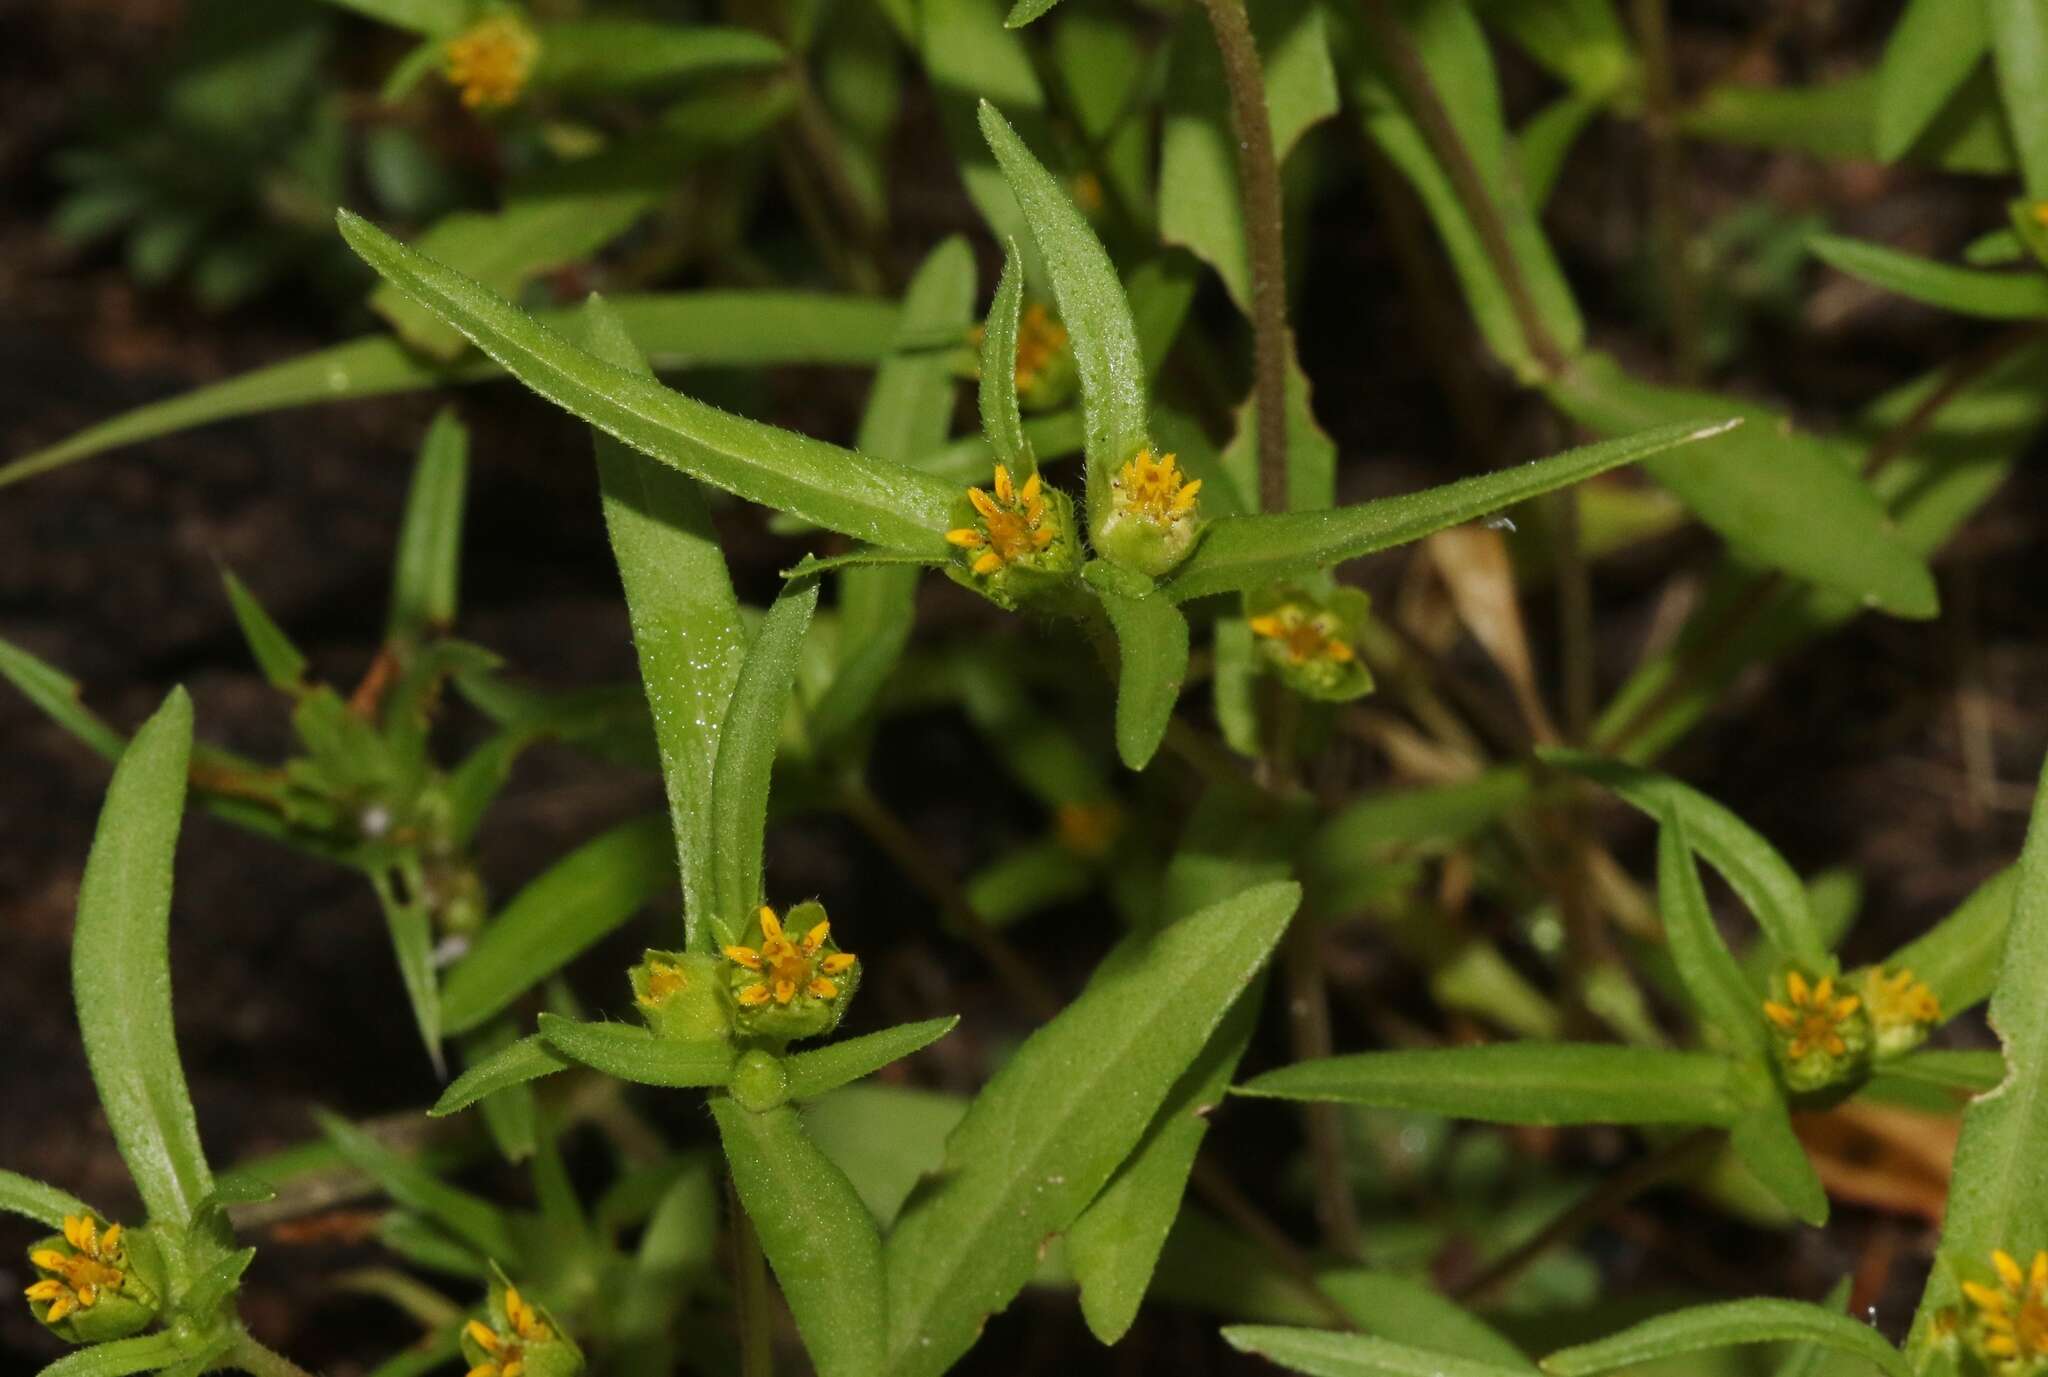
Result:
{"points": [[1258, 187]]}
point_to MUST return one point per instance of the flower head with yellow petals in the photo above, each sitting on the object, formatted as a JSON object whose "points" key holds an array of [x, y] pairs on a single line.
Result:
{"points": [[84, 1288], [1010, 532], [1902, 1009], [1823, 1035], [491, 60], [1152, 516], [517, 1340], [1312, 642], [682, 995], [792, 981], [2007, 1324]]}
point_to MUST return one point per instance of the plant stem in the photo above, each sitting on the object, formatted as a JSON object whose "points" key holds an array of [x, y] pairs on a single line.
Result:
{"points": [[1258, 187], [1308, 1026], [1610, 1195], [1418, 92], [252, 1357], [750, 1287], [1667, 187]]}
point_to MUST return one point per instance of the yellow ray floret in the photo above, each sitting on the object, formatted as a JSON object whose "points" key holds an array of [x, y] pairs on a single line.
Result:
{"points": [[1814, 1017], [1303, 636], [77, 1279], [506, 1351], [664, 978], [1154, 489], [1899, 997], [2009, 1322], [1013, 522], [490, 61], [787, 967]]}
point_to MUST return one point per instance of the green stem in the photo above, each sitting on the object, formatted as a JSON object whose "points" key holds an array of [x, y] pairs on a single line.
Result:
{"points": [[1258, 187], [1667, 187], [252, 1357], [750, 1286]]}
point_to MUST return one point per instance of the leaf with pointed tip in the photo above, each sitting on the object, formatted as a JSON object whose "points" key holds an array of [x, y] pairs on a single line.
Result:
{"points": [[1720, 995], [1932, 50], [888, 504], [1727, 1325], [746, 759], [1764, 1141], [1152, 662], [471, 1218], [58, 696], [2021, 295], [282, 665], [633, 1054], [429, 562], [1001, 422], [528, 1059], [826, 1068], [1244, 552], [33, 1200]]}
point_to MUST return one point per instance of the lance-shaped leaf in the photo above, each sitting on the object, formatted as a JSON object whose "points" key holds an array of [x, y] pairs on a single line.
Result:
{"points": [[888, 504], [1998, 1191], [1719, 992], [1932, 50], [33, 1200], [471, 1218], [1727, 1325], [2019, 54], [746, 759], [1243, 552], [1045, 1134], [121, 968], [2019, 295], [674, 330], [410, 923], [144, 1353], [588, 55], [1321, 1353], [1763, 1139], [1974, 1072], [1753, 869], [826, 1068], [1521, 1083], [1092, 306], [633, 1054], [282, 665], [59, 698], [1001, 422], [432, 18], [819, 1237], [528, 1059], [1958, 957], [1152, 659], [685, 618], [559, 914], [427, 574]]}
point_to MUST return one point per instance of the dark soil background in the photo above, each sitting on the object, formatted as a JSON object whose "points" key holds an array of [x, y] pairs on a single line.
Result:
{"points": [[1859, 751]]}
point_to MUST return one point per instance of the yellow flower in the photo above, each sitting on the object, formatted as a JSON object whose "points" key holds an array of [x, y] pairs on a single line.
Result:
{"points": [[2009, 1323], [1039, 340], [95, 1266], [787, 967], [1088, 829], [1902, 1009], [490, 61], [1302, 636], [1087, 189], [1013, 523], [1154, 489], [506, 1350], [664, 978], [1813, 1021]]}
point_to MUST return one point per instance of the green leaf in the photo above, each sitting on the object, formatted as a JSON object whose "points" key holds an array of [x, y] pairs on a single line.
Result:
{"points": [[1520, 1083], [818, 1236], [598, 55], [633, 1054], [1024, 11], [1244, 552], [1975, 1072], [471, 1218], [686, 621], [1810, 1359], [1958, 957], [887, 504], [144, 1353], [434, 18], [1720, 994], [1932, 49], [1321, 1353], [1101, 332], [528, 1059], [2019, 54], [1152, 662], [969, 57], [674, 330], [410, 923], [1047, 1132], [1764, 1141], [429, 565], [1546, 140], [121, 968], [1311, 454], [1000, 419], [886, 1138], [59, 698], [826, 1068], [1582, 42], [1114, 1246], [561, 913], [34, 1200], [1726, 1325], [282, 665], [1781, 497], [1998, 1188], [746, 759], [2020, 295], [1753, 869]]}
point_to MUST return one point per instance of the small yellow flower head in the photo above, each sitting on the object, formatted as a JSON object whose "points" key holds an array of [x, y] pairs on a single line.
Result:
{"points": [[1823, 1035], [1311, 642], [682, 995], [1087, 191], [85, 1290], [2008, 1323], [1088, 829], [1045, 365], [1011, 535], [490, 61], [1902, 1009], [791, 986], [517, 1340], [1153, 516]]}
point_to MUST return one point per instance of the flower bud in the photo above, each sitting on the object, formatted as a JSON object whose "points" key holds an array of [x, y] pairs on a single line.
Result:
{"points": [[791, 986], [683, 996], [2007, 1324], [1823, 1036], [85, 1291], [1903, 1011], [1312, 642], [1152, 518]]}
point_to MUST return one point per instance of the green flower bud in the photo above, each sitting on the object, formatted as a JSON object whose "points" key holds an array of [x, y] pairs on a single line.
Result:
{"points": [[1311, 642], [683, 996], [1903, 1011], [760, 1082], [517, 1338], [1823, 1036], [85, 1291], [789, 987], [1152, 519], [1016, 543]]}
